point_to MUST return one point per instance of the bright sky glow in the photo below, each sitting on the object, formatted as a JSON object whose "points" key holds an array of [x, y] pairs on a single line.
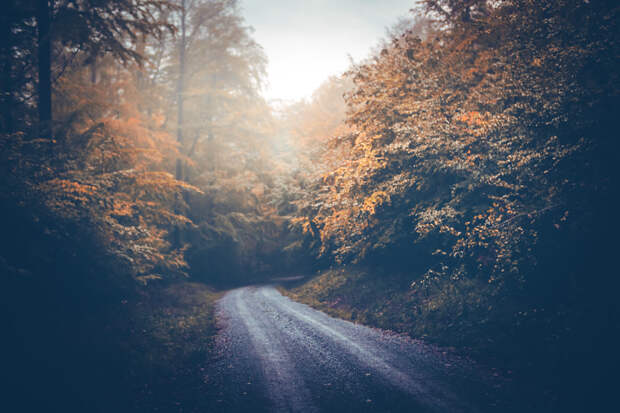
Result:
{"points": [[306, 41]]}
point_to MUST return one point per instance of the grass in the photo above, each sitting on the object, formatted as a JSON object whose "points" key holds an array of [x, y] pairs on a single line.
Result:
{"points": [[170, 343], [459, 314], [473, 319]]}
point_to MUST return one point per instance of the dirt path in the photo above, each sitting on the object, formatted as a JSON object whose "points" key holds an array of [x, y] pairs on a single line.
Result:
{"points": [[276, 355]]}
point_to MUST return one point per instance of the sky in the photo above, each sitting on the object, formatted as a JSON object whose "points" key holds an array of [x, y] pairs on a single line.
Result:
{"points": [[306, 41]]}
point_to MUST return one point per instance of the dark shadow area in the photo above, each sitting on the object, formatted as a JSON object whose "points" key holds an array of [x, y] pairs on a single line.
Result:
{"points": [[77, 339]]}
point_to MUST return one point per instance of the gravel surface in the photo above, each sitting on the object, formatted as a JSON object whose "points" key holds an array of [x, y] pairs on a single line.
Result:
{"points": [[276, 355]]}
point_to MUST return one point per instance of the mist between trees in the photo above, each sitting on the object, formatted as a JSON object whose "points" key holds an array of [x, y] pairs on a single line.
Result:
{"points": [[469, 163]]}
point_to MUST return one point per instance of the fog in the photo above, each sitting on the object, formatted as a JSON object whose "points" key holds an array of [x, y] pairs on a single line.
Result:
{"points": [[307, 41]]}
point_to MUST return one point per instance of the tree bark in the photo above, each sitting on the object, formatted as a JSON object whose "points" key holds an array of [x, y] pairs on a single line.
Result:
{"points": [[45, 68]]}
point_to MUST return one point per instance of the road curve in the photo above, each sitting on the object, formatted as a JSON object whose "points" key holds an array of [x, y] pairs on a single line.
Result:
{"points": [[276, 355]]}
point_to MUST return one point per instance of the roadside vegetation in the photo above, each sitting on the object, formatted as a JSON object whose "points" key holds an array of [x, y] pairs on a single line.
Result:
{"points": [[459, 185], [468, 196], [131, 160], [170, 348]]}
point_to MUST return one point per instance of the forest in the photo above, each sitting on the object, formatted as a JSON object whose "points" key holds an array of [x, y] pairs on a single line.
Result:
{"points": [[458, 186]]}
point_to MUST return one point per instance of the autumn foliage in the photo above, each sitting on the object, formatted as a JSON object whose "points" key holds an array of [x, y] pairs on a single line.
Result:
{"points": [[478, 165], [459, 184], [97, 224]]}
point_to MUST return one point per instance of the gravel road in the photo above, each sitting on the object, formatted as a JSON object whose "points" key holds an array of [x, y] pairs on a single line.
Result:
{"points": [[276, 355]]}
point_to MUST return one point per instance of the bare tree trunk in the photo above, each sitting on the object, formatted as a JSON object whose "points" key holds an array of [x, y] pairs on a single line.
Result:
{"points": [[177, 235], [180, 89], [210, 104], [45, 68]]}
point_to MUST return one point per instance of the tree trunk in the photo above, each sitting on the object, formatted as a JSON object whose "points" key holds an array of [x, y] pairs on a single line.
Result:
{"points": [[6, 80], [45, 68], [93, 71], [180, 90], [177, 235], [211, 104]]}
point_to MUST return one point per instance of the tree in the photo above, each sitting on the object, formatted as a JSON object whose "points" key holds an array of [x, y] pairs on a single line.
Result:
{"points": [[45, 67], [86, 26], [181, 85], [478, 178]]}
